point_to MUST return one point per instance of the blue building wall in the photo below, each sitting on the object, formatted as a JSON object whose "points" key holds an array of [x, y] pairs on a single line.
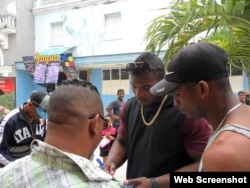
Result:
{"points": [[245, 82], [25, 86]]}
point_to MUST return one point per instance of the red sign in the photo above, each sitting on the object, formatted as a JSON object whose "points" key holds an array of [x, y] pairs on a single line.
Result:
{"points": [[7, 85]]}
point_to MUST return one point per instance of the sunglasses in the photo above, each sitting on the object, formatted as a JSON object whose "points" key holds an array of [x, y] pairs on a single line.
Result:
{"points": [[139, 68], [100, 116], [44, 108]]}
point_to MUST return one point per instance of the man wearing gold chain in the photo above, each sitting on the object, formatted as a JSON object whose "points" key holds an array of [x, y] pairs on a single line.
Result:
{"points": [[201, 88], [154, 136]]}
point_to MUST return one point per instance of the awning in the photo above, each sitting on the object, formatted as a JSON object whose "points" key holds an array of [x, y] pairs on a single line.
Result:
{"points": [[101, 65], [56, 50]]}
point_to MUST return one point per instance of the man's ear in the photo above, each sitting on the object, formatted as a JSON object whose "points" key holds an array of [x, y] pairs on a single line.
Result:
{"points": [[93, 126], [203, 89], [30, 103]]}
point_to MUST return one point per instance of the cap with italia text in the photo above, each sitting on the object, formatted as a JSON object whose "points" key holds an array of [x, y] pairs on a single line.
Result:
{"points": [[195, 62]]}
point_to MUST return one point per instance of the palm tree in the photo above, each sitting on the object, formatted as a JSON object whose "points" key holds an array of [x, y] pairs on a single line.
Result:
{"points": [[225, 23]]}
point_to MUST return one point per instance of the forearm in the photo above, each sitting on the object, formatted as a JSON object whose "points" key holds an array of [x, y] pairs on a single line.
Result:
{"points": [[109, 110], [116, 154]]}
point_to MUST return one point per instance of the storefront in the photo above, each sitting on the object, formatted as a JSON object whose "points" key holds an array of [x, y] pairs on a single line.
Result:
{"points": [[90, 68]]}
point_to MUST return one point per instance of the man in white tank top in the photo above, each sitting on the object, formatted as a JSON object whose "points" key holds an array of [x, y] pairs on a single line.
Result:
{"points": [[197, 75]]}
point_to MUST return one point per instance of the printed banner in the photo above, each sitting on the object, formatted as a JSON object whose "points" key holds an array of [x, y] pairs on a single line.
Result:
{"points": [[7, 85], [67, 62], [52, 72], [46, 69], [40, 73], [29, 63]]}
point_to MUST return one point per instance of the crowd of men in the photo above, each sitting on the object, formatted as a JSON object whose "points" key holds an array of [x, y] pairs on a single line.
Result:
{"points": [[184, 118]]}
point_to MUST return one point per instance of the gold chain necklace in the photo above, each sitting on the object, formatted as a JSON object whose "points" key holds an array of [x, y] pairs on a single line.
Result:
{"points": [[156, 114]]}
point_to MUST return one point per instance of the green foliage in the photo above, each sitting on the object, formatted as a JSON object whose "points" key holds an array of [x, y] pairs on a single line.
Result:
{"points": [[225, 23], [222, 22], [8, 100]]}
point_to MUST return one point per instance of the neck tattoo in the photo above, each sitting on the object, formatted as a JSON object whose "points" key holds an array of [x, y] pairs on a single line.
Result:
{"points": [[156, 114], [224, 118]]}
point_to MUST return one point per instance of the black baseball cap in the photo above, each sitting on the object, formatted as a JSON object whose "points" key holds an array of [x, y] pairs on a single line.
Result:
{"points": [[195, 62]]}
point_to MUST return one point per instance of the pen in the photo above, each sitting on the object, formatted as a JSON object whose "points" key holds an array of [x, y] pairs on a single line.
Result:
{"points": [[102, 167], [100, 162]]}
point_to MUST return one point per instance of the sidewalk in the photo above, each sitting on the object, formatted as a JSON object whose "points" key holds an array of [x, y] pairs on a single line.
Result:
{"points": [[120, 173]]}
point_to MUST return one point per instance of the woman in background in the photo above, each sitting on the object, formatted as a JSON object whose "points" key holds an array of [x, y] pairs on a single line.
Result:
{"points": [[109, 134]]}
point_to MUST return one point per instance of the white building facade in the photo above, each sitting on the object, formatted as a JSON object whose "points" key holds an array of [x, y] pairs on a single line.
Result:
{"points": [[102, 35]]}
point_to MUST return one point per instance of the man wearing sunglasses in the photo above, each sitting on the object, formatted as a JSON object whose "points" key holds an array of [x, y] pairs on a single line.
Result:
{"points": [[21, 125], [154, 136], [75, 124]]}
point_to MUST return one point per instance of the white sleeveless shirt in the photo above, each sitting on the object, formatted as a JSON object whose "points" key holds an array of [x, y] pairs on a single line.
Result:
{"points": [[235, 128]]}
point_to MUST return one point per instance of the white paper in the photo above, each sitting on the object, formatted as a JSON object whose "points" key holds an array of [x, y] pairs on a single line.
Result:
{"points": [[105, 141]]}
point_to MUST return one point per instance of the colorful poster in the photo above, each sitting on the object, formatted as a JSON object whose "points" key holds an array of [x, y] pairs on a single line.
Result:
{"points": [[52, 72], [29, 63], [40, 73], [67, 62], [47, 68]]}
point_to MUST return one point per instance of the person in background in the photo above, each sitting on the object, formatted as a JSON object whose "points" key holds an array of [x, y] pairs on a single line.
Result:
{"points": [[198, 78], [242, 97], [154, 136], [247, 99], [1, 92], [22, 125], [4, 110], [75, 124], [114, 108], [109, 134]]}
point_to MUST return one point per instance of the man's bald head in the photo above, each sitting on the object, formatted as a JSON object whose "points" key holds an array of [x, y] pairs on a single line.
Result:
{"points": [[75, 120], [74, 99]]}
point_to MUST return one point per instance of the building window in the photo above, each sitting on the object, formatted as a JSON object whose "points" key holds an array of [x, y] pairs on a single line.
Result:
{"points": [[83, 75], [106, 74], [114, 74], [57, 34], [113, 26], [114, 79]]}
